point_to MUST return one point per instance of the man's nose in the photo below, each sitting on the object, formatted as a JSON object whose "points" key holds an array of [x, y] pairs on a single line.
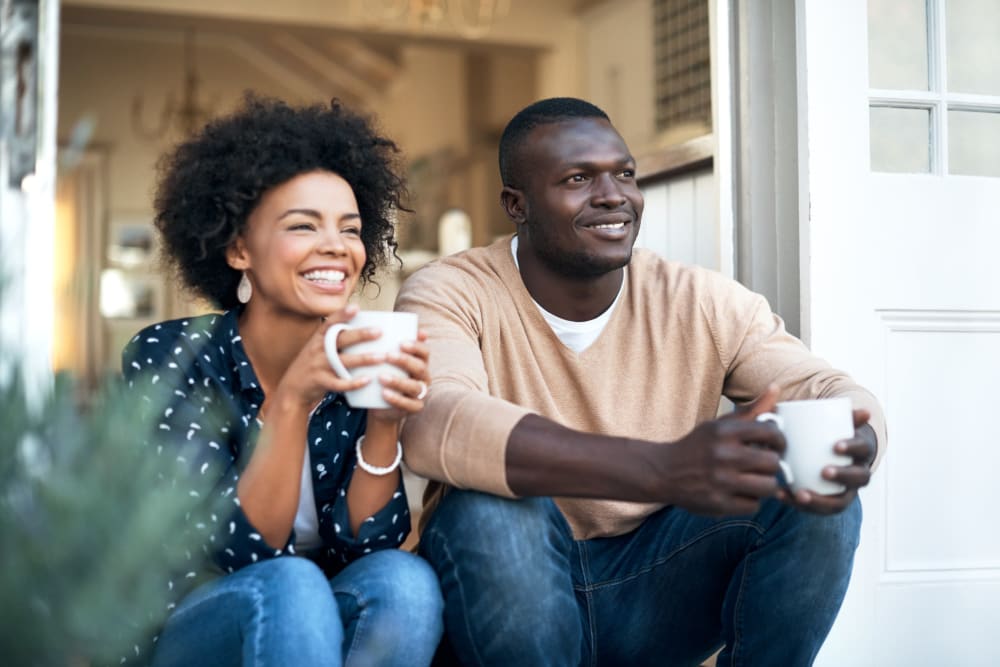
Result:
{"points": [[608, 192]]}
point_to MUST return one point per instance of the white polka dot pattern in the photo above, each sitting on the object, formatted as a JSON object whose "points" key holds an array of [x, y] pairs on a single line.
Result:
{"points": [[210, 427]]}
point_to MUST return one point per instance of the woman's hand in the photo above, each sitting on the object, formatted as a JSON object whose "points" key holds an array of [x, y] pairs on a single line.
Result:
{"points": [[405, 394], [310, 377]]}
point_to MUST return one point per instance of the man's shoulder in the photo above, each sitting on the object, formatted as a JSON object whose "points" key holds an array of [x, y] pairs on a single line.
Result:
{"points": [[462, 271], [651, 270]]}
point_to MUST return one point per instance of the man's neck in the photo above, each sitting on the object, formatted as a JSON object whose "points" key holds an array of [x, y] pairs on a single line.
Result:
{"points": [[577, 299]]}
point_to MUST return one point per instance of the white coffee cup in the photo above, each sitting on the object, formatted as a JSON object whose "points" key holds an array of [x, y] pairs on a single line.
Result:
{"points": [[811, 428], [396, 328]]}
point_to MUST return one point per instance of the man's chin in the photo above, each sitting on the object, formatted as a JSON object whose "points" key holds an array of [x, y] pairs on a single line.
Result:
{"points": [[590, 265]]}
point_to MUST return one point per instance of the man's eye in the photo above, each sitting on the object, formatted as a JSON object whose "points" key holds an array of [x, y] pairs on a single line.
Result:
{"points": [[577, 178], [627, 173]]}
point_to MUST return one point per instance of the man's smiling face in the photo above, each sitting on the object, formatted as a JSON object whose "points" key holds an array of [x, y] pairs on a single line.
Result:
{"points": [[581, 204]]}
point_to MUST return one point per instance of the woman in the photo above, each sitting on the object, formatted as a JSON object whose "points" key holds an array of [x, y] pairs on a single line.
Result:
{"points": [[276, 213]]}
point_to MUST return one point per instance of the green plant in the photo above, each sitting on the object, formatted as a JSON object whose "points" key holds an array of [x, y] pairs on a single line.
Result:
{"points": [[90, 527]]}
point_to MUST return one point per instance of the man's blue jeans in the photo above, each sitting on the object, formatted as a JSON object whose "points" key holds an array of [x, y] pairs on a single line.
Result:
{"points": [[520, 591], [383, 609]]}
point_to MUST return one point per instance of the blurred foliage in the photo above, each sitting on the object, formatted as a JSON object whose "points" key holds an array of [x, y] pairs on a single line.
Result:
{"points": [[89, 527]]}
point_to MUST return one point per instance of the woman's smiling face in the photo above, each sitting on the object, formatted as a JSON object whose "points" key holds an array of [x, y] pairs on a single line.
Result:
{"points": [[302, 248]]}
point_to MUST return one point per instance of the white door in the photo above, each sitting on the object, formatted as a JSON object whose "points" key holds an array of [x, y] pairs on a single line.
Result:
{"points": [[900, 190]]}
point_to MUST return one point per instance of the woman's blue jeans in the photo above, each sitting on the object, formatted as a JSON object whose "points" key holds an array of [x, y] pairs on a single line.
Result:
{"points": [[383, 609], [520, 591]]}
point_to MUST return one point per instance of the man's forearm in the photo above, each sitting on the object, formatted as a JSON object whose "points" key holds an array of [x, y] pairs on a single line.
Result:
{"points": [[546, 459]]}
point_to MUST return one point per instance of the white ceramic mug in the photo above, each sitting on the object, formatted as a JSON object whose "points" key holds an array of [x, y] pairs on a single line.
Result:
{"points": [[396, 328], [811, 428]]}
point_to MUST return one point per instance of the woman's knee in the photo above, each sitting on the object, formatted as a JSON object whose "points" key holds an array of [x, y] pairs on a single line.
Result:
{"points": [[391, 599], [404, 582], [290, 583], [279, 609]]}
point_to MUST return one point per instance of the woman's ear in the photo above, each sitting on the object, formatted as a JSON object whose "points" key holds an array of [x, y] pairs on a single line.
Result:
{"points": [[237, 256]]}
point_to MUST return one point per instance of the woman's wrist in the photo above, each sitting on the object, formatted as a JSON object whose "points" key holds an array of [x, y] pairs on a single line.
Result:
{"points": [[380, 441], [282, 403]]}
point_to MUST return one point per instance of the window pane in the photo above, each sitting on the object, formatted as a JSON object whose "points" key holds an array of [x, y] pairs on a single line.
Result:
{"points": [[900, 140], [973, 37], [682, 68], [897, 44], [973, 138]]}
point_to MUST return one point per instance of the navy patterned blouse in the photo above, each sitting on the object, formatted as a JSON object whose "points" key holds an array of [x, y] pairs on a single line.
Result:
{"points": [[210, 425]]}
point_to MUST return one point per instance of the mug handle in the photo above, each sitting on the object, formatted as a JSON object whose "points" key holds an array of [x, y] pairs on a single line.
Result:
{"points": [[332, 353], [786, 469]]}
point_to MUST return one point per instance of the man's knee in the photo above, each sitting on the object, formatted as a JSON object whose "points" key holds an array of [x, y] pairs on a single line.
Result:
{"points": [[819, 546], [835, 535], [505, 571], [489, 524]]}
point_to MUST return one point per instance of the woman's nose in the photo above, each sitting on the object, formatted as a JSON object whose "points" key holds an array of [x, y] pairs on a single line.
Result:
{"points": [[332, 241]]}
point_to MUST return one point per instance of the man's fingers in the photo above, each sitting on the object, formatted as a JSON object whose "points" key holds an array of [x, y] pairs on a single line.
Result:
{"points": [[861, 416], [859, 450], [853, 477], [763, 434], [817, 504], [752, 485]]}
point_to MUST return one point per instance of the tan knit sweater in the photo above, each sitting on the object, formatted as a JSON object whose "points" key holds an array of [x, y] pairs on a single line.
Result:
{"points": [[678, 339]]}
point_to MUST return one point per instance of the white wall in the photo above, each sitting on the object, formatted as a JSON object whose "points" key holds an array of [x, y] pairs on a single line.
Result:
{"points": [[679, 220], [617, 40]]}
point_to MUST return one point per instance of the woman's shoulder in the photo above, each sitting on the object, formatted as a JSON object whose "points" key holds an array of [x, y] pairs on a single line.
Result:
{"points": [[187, 336]]}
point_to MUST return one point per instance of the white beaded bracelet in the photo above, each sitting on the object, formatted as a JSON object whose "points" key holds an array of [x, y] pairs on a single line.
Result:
{"points": [[378, 470]]}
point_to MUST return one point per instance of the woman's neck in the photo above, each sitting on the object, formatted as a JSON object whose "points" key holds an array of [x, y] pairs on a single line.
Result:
{"points": [[272, 342]]}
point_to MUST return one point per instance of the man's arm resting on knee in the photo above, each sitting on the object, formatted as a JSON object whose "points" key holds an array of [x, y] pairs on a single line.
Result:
{"points": [[711, 470]]}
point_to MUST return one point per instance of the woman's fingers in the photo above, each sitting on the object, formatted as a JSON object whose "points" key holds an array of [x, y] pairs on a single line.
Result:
{"points": [[418, 349], [408, 387]]}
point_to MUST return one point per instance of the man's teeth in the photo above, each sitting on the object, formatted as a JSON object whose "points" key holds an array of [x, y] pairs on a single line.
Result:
{"points": [[614, 225], [325, 276]]}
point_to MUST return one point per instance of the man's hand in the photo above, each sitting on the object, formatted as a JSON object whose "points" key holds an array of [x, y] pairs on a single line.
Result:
{"points": [[861, 449], [725, 466]]}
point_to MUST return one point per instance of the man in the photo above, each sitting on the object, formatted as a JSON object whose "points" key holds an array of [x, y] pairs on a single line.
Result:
{"points": [[598, 513]]}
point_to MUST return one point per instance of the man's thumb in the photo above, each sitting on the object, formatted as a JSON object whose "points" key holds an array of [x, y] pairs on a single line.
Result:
{"points": [[766, 402]]}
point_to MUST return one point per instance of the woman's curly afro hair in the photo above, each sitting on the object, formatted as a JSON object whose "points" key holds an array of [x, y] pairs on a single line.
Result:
{"points": [[210, 183]]}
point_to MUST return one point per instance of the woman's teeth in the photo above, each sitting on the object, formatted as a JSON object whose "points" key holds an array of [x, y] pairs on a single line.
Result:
{"points": [[325, 276]]}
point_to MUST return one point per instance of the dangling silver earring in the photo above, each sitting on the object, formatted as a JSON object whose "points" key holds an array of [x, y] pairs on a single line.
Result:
{"points": [[244, 290]]}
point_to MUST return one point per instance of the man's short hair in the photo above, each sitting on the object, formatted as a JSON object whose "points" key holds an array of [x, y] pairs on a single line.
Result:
{"points": [[542, 112]]}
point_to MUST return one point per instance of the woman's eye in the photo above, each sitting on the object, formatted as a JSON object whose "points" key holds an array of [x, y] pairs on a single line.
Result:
{"points": [[354, 231], [301, 226]]}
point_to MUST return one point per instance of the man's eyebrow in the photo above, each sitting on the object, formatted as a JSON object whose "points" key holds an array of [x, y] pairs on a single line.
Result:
{"points": [[625, 161]]}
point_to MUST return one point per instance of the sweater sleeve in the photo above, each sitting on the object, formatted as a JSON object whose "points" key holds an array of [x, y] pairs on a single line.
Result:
{"points": [[756, 349], [460, 437]]}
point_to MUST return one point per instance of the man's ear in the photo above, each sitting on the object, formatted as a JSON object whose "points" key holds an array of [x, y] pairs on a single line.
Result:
{"points": [[237, 256], [514, 205]]}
